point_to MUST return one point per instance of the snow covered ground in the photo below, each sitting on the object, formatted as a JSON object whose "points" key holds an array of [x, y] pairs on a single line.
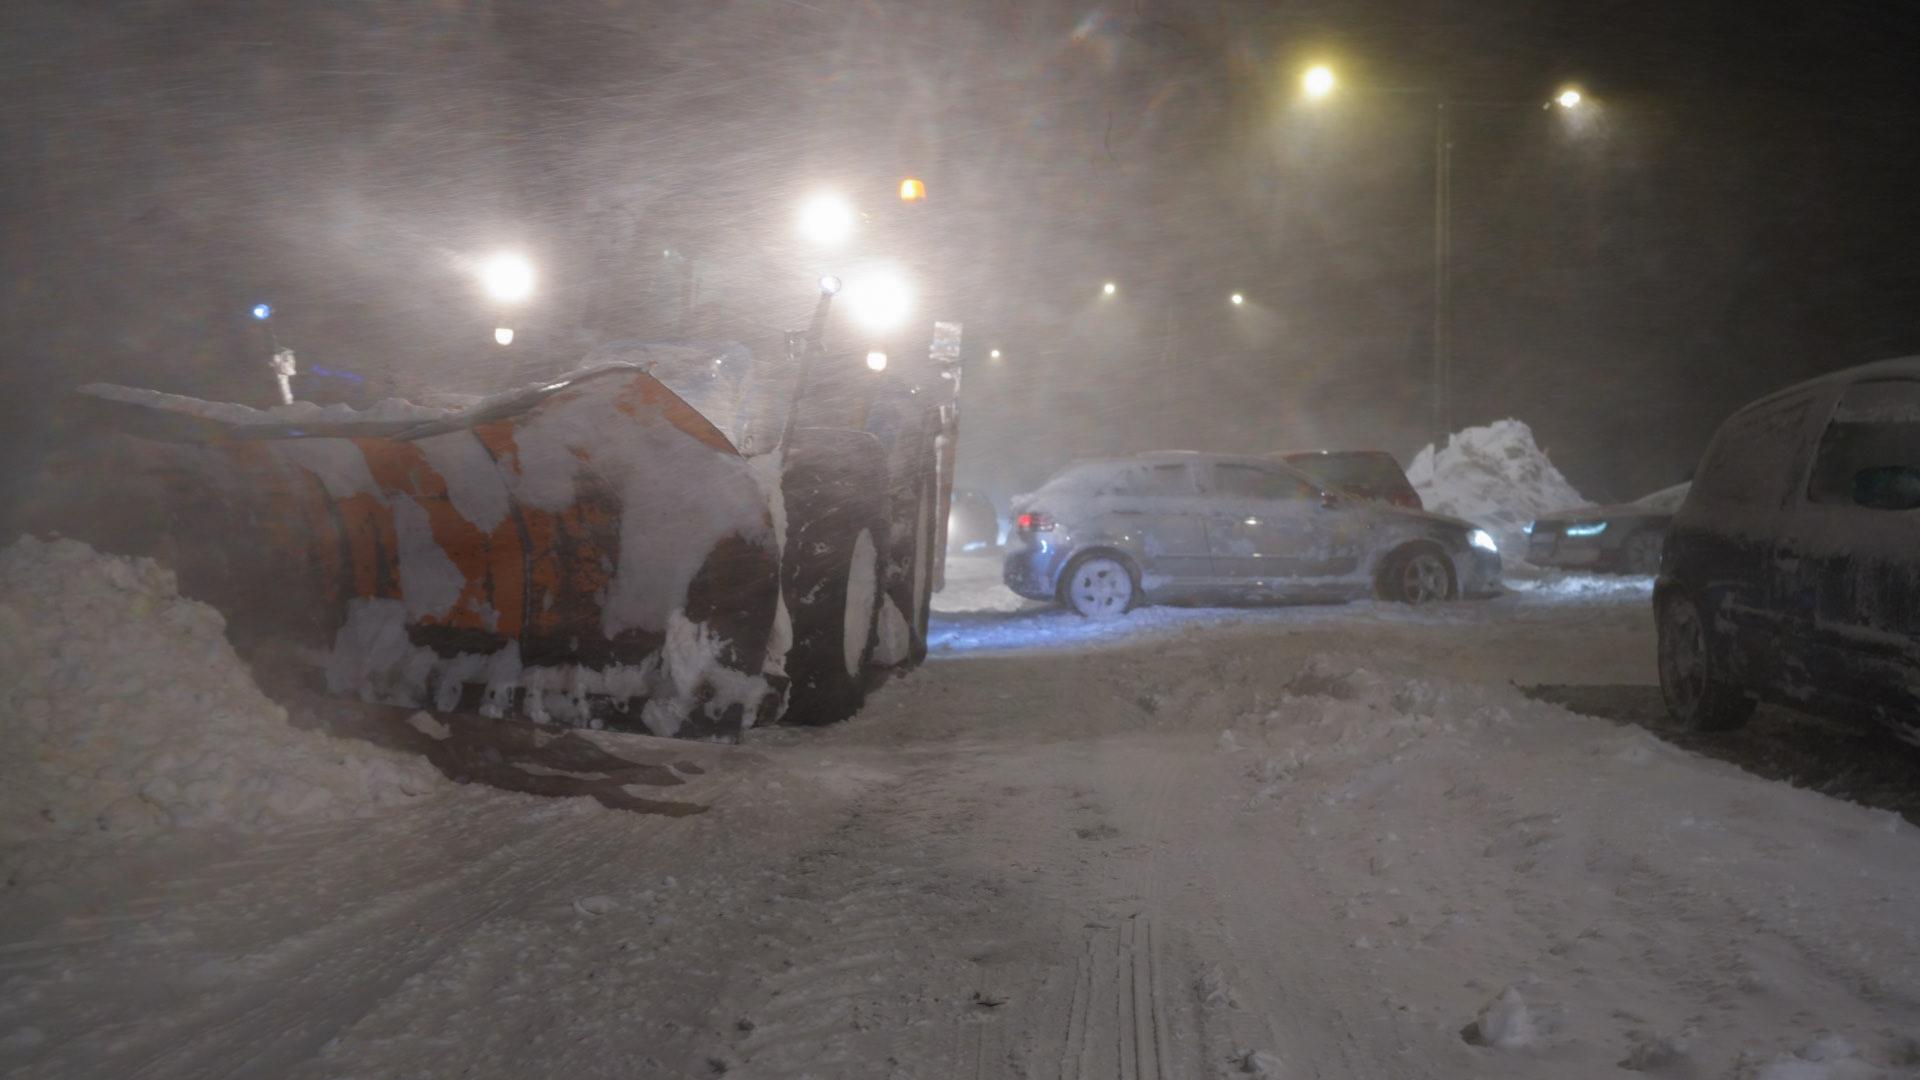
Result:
{"points": [[1284, 842]]}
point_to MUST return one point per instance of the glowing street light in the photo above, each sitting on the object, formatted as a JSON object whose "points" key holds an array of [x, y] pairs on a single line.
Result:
{"points": [[263, 312], [503, 335], [876, 361], [994, 354], [912, 190], [507, 277], [1568, 98], [1109, 288], [1237, 299], [1318, 81], [826, 219]]}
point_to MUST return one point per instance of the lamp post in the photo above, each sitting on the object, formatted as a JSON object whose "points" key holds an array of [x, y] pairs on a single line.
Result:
{"points": [[1319, 82]]}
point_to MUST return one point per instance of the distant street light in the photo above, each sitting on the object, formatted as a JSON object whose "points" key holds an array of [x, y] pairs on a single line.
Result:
{"points": [[912, 190], [507, 277], [1109, 288], [1237, 299], [994, 354], [877, 360], [826, 219], [1318, 81], [1568, 98], [263, 312], [503, 335]]}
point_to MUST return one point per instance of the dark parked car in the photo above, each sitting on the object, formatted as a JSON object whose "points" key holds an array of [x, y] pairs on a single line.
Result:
{"points": [[1103, 536], [1792, 572], [1626, 538], [1369, 474], [974, 523]]}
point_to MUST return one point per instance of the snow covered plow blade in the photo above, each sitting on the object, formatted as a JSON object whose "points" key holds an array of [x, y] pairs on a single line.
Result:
{"points": [[592, 551]]}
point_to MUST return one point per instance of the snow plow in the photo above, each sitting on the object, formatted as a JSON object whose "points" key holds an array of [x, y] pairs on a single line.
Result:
{"points": [[663, 540]]}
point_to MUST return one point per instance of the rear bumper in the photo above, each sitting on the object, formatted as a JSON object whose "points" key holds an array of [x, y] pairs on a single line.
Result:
{"points": [[1032, 567]]}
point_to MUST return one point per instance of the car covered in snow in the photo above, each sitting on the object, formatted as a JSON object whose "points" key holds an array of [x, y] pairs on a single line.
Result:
{"points": [[1101, 537], [1366, 474], [1792, 571], [1625, 538]]}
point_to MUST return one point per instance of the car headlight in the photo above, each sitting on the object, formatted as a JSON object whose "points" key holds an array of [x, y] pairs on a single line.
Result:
{"points": [[1483, 540], [1594, 528]]}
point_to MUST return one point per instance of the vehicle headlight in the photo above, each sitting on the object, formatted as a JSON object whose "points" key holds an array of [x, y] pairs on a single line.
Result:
{"points": [[1590, 529], [1483, 540]]}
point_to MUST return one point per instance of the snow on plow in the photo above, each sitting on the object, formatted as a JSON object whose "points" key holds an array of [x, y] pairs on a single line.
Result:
{"points": [[591, 551]]}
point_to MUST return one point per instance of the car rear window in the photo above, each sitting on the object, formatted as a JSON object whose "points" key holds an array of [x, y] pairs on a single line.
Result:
{"points": [[1876, 424], [1364, 474]]}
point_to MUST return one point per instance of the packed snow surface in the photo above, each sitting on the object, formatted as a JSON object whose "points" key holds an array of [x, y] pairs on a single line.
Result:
{"points": [[1496, 477], [125, 711], [1279, 842]]}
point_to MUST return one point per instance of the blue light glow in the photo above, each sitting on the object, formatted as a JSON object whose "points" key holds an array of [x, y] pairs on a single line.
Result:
{"points": [[1594, 529], [263, 312]]}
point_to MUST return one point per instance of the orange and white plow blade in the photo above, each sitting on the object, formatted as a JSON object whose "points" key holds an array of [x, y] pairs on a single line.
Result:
{"points": [[595, 551]]}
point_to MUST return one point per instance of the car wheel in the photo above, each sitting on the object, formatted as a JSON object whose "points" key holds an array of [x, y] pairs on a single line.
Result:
{"points": [[1099, 587], [1417, 576], [1698, 697], [1641, 553]]}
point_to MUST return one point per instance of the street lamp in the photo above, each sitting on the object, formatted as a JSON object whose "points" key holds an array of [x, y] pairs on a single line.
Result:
{"points": [[1109, 288], [503, 335], [1318, 81], [1237, 299], [876, 361], [993, 354]]}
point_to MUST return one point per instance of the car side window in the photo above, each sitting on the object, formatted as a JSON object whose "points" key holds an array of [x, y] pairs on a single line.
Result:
{"points": [[1753, 460], [1159, 480], [1876, 425], [1253, 482]]}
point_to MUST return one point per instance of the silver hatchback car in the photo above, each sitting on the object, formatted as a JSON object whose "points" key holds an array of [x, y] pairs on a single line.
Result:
{"points": [[1102, 537]]}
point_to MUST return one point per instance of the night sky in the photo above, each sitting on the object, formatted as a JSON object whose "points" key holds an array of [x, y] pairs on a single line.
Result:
{"points": [[1737, 208]]}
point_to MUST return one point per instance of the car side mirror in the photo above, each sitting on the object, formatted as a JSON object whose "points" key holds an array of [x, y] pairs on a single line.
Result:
{"points": [[1887, 487]]}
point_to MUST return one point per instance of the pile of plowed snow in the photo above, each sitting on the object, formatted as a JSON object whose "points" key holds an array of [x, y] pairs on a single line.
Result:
{"points": [[124, 711], [1496, 477]]}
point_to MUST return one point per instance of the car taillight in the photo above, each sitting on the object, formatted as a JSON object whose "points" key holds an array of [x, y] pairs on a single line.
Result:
{"points": [[1034, 523]]}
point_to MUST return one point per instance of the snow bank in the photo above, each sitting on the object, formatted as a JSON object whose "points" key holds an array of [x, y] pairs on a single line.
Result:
{"points": [[125, 711], [1496, 477]]}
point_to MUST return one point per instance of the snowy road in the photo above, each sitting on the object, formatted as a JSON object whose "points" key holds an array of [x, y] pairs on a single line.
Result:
{"points": [[1321, 842]]}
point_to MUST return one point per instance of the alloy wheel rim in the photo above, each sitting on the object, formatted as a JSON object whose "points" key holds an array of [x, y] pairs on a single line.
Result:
{"points": [[1101, 587], [1424, 579]]}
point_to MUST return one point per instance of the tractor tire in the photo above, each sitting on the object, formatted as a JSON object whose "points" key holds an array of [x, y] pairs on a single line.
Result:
{"points": [[910, 563], [831, 579]]}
